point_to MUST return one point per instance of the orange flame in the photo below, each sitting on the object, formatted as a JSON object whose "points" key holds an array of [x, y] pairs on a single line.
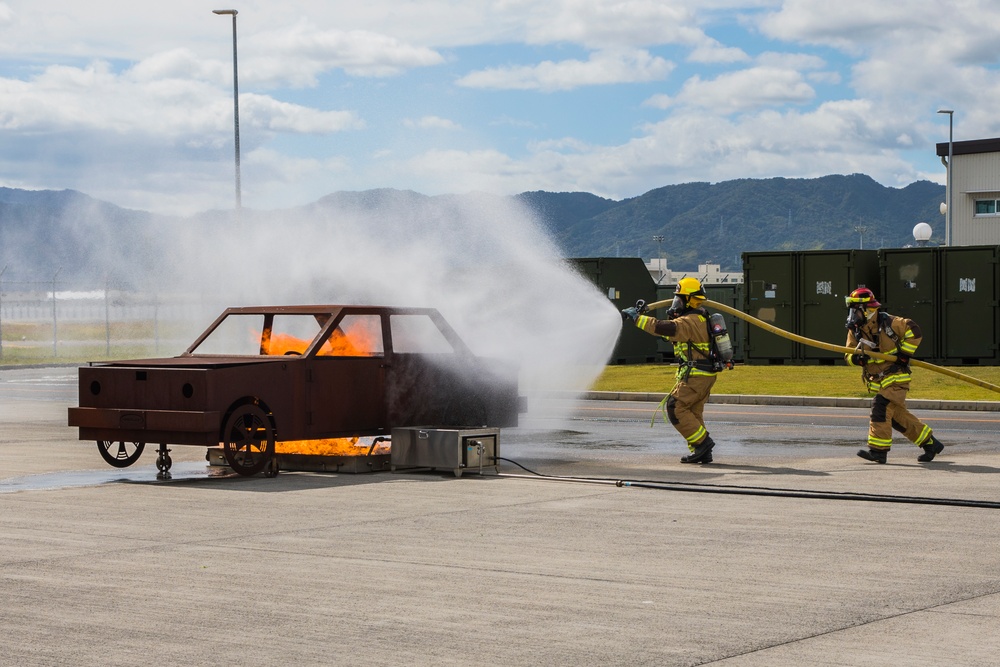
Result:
{"points": [[360, 342], [355, 446]]}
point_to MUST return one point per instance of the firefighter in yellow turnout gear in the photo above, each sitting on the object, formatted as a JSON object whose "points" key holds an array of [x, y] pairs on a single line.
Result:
{"points": [[687, 328], [870, 329]]}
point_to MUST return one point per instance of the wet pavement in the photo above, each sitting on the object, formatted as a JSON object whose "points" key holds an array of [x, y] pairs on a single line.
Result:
{"points": [[790, 550]]}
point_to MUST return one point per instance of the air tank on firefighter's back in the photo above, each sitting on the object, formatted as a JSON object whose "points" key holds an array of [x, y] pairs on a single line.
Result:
{"points": [[729, 295]]}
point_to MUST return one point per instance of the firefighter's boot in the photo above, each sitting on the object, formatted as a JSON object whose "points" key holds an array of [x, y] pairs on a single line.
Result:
{"points": [[702, 452], [931, 449], [872, 454]]}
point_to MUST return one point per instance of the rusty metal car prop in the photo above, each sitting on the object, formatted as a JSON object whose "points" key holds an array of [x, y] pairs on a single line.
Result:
{"points": [[261, 375]]}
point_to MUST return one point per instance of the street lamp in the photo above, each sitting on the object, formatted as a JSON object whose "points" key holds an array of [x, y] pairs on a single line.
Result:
{"points": [[659, 243], [948, 193], [3, 271], [861, 229], [236, 108]]}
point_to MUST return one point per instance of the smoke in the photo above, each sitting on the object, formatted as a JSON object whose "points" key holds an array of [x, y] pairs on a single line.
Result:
{"points": [[484, 262]]}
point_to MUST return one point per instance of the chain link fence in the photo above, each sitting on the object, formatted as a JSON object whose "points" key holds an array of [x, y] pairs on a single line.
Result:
{"points": [[44, 320]]}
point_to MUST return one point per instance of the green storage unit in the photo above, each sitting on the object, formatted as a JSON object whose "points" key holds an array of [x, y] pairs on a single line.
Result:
{"points": [[825, 277], [910, 288], [624, 280], [968, 306], [664, 348], [769, 287]]}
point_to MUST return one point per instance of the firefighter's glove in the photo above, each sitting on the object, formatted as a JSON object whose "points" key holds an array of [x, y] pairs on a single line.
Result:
{"points": [[860, 359], [903, 359], [631, 313]]}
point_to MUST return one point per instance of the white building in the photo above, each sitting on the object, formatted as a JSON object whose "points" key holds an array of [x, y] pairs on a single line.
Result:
{"points": [[975, 196], [708, 274]]}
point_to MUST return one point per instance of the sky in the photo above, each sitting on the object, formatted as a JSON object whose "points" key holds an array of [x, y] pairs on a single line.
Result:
{"points": [[612, 97]]}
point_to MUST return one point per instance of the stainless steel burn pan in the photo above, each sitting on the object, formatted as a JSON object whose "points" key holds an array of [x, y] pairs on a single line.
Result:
{"points": [[315, 463]]}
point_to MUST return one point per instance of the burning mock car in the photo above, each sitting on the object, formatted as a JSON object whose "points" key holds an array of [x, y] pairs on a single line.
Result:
{"points": [[262, 375]]}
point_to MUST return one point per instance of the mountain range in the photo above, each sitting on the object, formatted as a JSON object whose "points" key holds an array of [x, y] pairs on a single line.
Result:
{"points": [[46, 232]]}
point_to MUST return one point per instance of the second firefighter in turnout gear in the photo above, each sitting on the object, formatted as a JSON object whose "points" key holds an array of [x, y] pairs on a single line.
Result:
{"points": [[870, 329], [687, 327]]}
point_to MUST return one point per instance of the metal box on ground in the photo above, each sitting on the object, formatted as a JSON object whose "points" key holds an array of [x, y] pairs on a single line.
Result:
{"points": [[457, 450]]}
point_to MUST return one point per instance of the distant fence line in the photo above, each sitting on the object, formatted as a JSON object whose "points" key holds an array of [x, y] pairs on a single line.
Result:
{"points": [[35, 303], [93, 305]]}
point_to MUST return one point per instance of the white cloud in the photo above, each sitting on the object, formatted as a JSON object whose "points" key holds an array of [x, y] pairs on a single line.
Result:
{"points": [[431, 123], [609, 23], [603, 67], [851, 136], [137, 106], [747, 89], [297, 55], [712, 51], [266, 112]]}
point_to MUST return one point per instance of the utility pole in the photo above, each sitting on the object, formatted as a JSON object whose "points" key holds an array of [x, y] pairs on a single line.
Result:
{"points": [[55, 320], [659, 242], [236, 112], [3, 271]]}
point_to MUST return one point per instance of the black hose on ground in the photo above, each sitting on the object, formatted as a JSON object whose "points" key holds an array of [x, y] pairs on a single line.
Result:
{"points": [[732, 489]]}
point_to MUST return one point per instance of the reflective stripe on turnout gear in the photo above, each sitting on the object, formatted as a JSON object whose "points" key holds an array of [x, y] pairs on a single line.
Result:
{"points": [[696, 437], [879, 443]]}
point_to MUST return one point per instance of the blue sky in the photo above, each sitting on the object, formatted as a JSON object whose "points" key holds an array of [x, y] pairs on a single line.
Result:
{"points": [[613, 97]]}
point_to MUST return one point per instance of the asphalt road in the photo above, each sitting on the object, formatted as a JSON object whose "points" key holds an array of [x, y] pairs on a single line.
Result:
{"points": [[789, 550]]}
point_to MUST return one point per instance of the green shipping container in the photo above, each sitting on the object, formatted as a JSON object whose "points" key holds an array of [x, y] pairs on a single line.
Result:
{"points": [[824, 278], [769, 287], [968, 305], [624, 280], [910, 288]]}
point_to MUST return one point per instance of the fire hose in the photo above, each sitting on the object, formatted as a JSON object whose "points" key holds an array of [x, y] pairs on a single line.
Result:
{"points": [[830, 346]]}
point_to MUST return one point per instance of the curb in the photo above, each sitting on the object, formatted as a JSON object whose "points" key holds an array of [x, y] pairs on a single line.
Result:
{"points": [[818, 401]]}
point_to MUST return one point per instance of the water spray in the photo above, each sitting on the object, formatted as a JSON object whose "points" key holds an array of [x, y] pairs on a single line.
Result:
{"points": [[830, 346]]}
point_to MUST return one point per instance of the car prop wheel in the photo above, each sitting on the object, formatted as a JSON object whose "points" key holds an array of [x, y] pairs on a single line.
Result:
{"points": [[120, 454], [248, 439]]}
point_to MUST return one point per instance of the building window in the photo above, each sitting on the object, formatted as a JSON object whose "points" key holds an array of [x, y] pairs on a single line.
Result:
{"points": [[986, 207]]}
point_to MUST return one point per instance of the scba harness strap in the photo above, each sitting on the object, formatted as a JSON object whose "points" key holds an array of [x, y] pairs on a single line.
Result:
{"points": [[897, 372]]}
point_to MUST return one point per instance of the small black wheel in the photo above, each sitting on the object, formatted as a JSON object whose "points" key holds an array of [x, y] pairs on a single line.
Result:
{"points": [[248, 439], [120, 454], [163, 462]]}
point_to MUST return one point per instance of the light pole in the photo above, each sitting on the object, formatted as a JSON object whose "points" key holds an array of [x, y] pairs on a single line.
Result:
{"points": [[1, 309], [55, 320], [948, 193], [236, 109], [659, 243], [861, 229]]}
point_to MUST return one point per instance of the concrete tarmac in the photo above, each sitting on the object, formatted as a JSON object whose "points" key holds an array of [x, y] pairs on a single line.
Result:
{"points": [[107, 567]]}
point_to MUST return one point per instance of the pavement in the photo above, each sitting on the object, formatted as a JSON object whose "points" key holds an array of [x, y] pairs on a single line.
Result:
{"points": [[727, 565]]}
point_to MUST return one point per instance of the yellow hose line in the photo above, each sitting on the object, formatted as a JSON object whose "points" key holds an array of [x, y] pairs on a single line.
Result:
{"points": [[830, 346]]}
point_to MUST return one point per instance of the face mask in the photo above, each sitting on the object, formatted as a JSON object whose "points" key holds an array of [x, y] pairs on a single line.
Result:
{"points": [[855, 318], [676, 306]]}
